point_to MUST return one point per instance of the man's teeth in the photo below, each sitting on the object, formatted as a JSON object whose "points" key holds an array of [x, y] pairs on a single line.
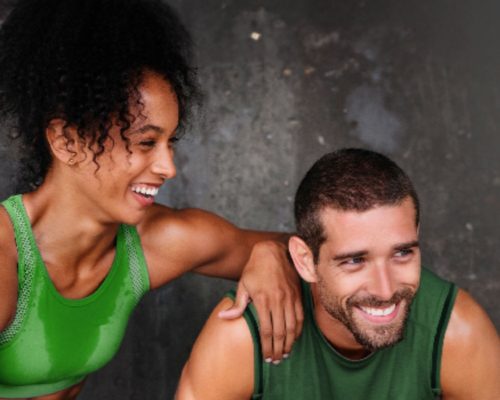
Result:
{"points": [[147, 191], [379, 312]]}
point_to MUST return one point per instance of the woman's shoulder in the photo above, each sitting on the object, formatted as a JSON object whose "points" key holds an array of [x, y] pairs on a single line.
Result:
{"points": [[167, 239], [8, 270], [183, 239], [165, 221]]}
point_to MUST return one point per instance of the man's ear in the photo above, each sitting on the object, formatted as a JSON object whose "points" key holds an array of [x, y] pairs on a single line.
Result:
{"points": [[303, 259], [63, 141]]}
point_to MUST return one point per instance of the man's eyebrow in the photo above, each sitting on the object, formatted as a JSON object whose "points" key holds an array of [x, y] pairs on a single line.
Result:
{"points": [[407, 245], [361, 253], [354, 254]]}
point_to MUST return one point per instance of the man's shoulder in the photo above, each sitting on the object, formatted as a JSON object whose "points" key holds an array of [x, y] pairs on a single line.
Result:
{"points": [[227, 347], [466, 343], [471, 353], [468, 322], [237, 332]]}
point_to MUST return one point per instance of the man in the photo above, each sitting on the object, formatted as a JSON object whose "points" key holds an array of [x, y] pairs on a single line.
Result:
{"points": [[377, 325]]}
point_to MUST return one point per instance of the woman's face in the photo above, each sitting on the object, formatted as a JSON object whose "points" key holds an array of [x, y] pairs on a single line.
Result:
{"points": [[127, 180]]}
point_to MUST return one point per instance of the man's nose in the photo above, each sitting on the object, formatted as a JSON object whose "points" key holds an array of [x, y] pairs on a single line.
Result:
{"points": [[381, 282]]}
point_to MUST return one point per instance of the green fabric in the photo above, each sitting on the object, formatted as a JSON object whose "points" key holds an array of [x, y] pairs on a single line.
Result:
{"points": [[54, 342], [409, 370], [250, 316]]}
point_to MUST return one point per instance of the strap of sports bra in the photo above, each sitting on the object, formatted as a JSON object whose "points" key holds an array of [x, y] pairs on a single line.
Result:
{"points": [[26, 262]]}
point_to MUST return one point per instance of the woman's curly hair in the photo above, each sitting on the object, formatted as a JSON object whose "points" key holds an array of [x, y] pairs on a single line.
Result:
{"points": [[82, 61]]}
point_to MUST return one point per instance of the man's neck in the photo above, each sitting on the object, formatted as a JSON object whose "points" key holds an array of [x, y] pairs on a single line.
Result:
{"points": [[335, 332]]}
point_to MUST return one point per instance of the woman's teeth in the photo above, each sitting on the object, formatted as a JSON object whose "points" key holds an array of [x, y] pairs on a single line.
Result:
{"points": [[145, 191]]}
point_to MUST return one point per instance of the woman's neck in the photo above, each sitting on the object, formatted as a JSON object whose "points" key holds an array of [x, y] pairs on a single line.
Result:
{"points": [[66, 230]]}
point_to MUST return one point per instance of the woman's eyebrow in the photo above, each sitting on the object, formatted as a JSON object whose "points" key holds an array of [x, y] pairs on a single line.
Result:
{"points": [[149, 127]]}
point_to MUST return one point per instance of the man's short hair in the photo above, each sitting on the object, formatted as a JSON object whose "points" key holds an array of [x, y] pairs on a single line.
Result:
{"points": [[348, 180]]}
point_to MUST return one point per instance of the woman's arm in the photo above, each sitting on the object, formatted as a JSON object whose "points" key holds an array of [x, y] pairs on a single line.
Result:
{"points": [[178, 241]]}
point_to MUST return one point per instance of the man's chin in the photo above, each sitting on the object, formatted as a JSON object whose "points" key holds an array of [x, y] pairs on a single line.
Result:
{"points": [[374, 336], [380, 339]]}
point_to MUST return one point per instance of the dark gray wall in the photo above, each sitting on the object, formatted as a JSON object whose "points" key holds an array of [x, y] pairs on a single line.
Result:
{"points": [[417, 80]]}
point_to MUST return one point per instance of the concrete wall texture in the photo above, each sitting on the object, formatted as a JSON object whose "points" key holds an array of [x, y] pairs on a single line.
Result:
{"points": [[287, 81]]}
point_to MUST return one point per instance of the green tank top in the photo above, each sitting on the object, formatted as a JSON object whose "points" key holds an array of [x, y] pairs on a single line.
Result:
{"points": [[54, 342], [316, 371]]}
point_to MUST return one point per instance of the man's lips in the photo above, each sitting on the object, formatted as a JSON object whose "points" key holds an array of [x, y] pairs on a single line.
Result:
{"points": [[379, 315]]}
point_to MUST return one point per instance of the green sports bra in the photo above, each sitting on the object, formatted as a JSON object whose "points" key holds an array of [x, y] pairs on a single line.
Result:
{"points": [[54, 342]]}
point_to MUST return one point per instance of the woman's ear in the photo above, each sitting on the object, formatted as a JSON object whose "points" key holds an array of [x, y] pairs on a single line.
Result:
{"points": [[303, 259], [63, 141]]}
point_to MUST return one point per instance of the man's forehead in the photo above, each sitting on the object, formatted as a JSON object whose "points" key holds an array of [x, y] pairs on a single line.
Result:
{"points": [[405, 206], [385, 219]]}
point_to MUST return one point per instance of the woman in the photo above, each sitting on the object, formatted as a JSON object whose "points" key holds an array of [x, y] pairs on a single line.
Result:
{"points": [[98, 91]]}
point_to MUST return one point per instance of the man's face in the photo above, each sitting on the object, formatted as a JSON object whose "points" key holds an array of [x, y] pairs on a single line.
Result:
{"points": [[369, 270]]}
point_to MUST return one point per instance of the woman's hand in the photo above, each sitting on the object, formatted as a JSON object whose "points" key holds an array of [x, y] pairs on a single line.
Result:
{"points": [[270, 281]]}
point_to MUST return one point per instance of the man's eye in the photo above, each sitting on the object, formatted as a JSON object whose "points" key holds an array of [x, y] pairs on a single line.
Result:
{"points": [[353, 261], [173, 140], [352, 264], [403, 253]]}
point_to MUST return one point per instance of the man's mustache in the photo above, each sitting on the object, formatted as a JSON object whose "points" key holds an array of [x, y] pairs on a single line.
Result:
{"points": [[374, 301]]}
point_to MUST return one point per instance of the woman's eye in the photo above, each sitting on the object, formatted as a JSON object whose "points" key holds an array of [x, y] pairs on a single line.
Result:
{"points": [[147, 143], [173, 140]]}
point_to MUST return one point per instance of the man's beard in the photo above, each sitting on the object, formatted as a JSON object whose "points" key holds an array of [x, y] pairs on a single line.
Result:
{"points": [[371, 336]]}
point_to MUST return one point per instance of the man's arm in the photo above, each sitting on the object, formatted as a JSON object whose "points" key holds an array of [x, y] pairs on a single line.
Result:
{"points": [[221, 364], [470, 364]]}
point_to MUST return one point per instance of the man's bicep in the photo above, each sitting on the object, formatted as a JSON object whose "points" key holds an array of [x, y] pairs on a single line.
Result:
{"points": [[221, 362], [470, 364]]}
